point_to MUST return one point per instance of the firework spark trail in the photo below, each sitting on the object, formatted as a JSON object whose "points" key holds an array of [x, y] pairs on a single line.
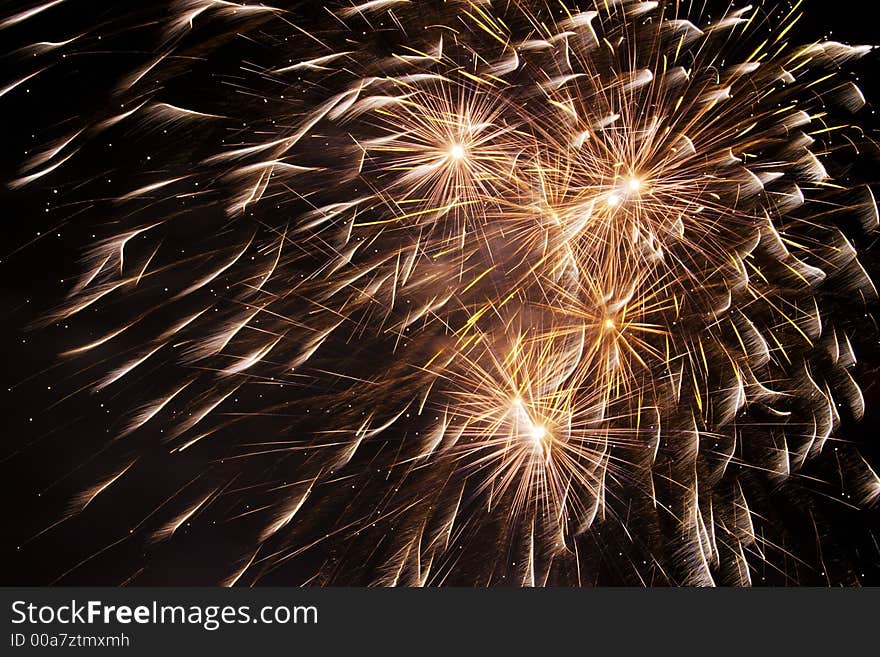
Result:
{"points": [[524, 274]]}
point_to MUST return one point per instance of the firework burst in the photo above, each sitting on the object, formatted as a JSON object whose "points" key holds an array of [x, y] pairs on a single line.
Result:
{"points": [[498, 292]]}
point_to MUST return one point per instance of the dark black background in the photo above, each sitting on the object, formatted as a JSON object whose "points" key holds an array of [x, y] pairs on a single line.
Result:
{"points": [[43, 437]]}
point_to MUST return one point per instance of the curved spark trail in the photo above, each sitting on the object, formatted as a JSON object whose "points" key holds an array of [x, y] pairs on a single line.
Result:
{"points": [[465, 292]]}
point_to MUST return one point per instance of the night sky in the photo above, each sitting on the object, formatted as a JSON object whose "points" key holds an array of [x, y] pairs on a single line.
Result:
{"points": [[61, 437]]}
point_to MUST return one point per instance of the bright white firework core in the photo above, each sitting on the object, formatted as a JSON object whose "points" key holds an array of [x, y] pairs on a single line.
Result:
{"points": [[456, 152]]}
